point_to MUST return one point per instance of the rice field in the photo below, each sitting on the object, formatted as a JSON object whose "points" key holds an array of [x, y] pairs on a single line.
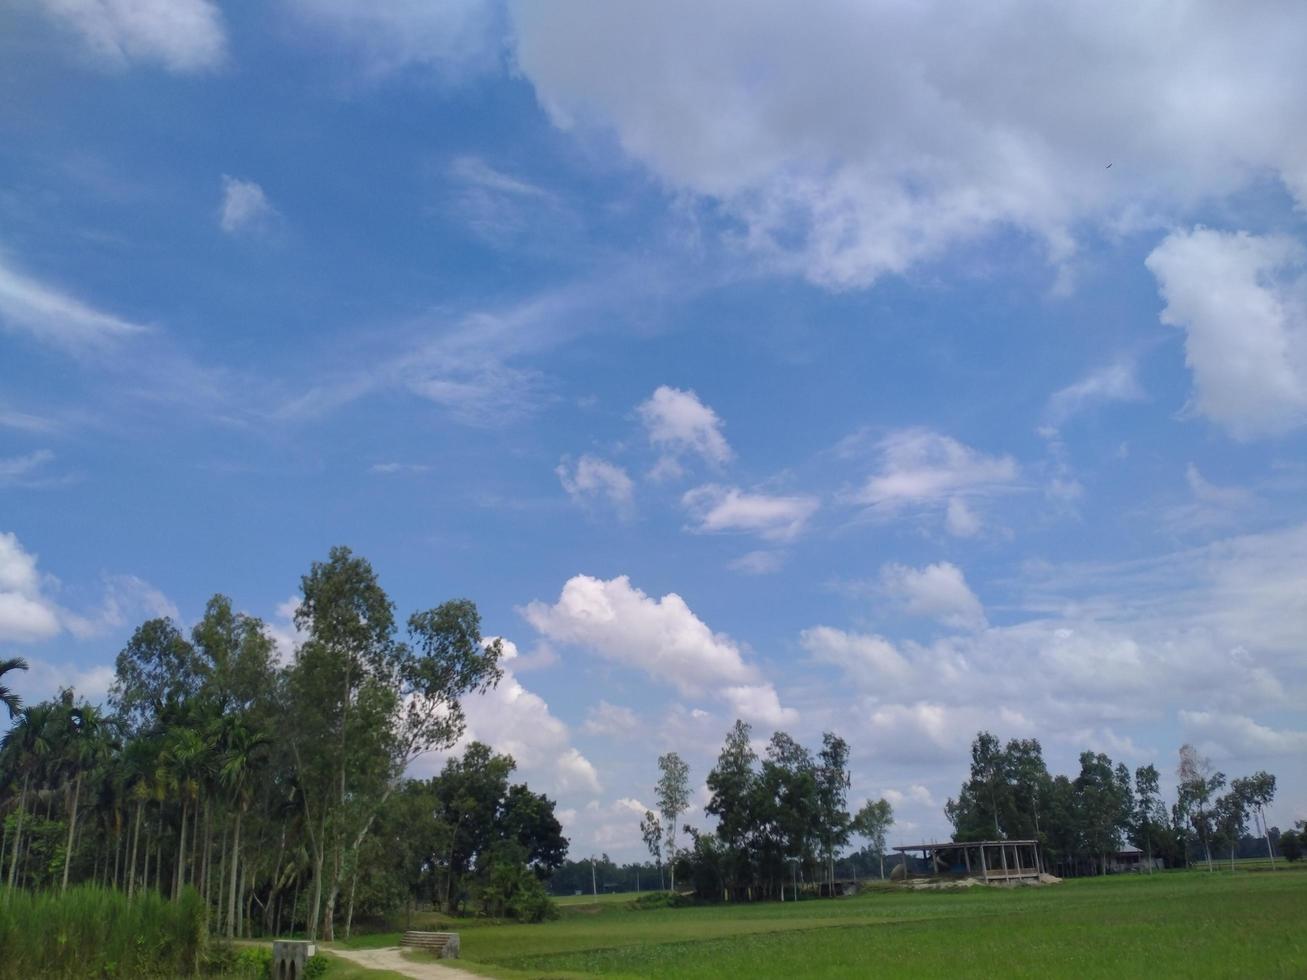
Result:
{"points": [[1190, 923]]}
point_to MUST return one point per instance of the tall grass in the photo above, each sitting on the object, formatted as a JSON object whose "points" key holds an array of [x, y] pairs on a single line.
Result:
{"points": [[95, 933]]}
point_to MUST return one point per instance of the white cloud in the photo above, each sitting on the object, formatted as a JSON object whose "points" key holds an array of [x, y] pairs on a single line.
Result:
{"points": [[758, 704], [916, 793], [453, 38], [760, 562], [871, 660], [54, 317], [29, 614], [678, 422], [1242, 301], [512, 719], [393, 467], [474, 170], [25, 469], [719, 509], [856, 140], [26, 614], [182, 35], [245, 208], [593, 479], [1239, 736], [611, 720], [1114, 383], [660, 637], [921, 470], [286, 636], [126, 599], [44, 679], [939, 591], [960, 520]]}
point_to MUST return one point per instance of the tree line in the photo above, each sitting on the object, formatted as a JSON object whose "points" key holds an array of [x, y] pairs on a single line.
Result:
{"points": [[781, 819], [279, 792], [1081, 821]]}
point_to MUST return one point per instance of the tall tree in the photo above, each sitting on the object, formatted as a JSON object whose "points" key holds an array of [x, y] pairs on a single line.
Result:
{"points": [[30, 741], [1258, 791], [651, 831], [241, 750], [832, 795], [1147, 803], [673, 794], [873, 822], [731, 784], [155, 675], [1197, 783], [8, 697], [366, 705]]}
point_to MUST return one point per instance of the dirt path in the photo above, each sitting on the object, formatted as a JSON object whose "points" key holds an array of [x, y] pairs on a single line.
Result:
{"points": [[393, 959]]}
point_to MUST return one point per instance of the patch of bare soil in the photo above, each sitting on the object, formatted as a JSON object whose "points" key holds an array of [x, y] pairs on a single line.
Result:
{"points": [[394, 959]]}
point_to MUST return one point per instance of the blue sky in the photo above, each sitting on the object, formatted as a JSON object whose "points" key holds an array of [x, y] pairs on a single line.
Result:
{"points": [[812, 368]]}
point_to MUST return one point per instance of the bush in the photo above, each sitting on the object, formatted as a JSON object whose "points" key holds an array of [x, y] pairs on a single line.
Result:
{"points": [[96, 933], [660, 900], [1291, 845], [316, 966], [253, 963]]}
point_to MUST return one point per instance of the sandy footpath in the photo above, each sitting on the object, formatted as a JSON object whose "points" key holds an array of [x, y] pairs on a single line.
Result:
{"points": [[393, 959]]}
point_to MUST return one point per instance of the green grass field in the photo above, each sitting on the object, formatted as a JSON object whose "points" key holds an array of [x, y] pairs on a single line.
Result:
{"points": [[1185, 924]]}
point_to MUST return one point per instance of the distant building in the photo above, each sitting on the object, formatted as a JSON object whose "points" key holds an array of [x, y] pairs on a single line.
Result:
{"points": [[989, 860], [1132, 859]]}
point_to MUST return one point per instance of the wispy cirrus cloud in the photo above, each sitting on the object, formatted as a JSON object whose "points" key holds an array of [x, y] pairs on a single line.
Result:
{"points": [[55, 317]]}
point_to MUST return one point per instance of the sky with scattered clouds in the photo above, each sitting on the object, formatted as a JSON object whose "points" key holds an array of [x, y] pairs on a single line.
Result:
{"points": [[897, 370]]}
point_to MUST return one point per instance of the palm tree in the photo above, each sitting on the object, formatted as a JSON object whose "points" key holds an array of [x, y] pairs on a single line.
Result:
{"points": [[7, 697], [241, 750], [24, 747], [182, 763], [86, 746]]}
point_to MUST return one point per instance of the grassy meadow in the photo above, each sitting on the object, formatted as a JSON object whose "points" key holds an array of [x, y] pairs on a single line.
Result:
{"points": [[1190, 924]]}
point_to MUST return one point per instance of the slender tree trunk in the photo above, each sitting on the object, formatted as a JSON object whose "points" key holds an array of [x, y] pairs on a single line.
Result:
{"points": [[1270, 851], [179, 875], [195, 843], [349, 908], [231, 902], [222, 883], [18, 832], [207, 850], [145, 874], [158, 856], [319, 869], [119, 845], [72, 826], [294, 905], [240, 920]]}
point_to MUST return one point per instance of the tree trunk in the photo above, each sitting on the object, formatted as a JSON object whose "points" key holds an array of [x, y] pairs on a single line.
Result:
{"points": [[18, 832], [145, 873], [178, 876], [207, 852], [235, 860], [72, 826], [1270, 851], [158, 856], [349, 907], [319, 867], [195, 846]]}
